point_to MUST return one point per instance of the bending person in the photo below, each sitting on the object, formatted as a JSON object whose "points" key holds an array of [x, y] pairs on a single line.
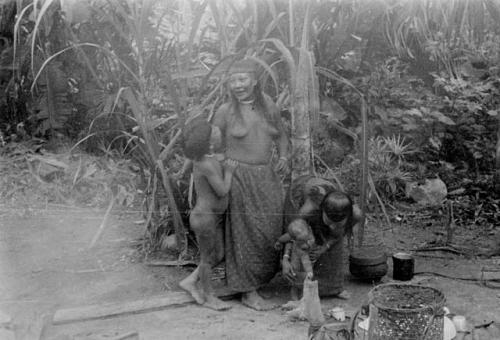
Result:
{"points": [[251, 126], [332, 216]]}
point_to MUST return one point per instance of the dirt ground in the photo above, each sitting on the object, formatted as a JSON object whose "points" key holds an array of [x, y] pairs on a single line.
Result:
{"points": [[46, 265]]}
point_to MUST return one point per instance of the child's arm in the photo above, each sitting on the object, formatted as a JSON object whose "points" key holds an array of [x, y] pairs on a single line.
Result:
{"points": [[287, 269], [306, 263], [283, 239], [220, 185]]}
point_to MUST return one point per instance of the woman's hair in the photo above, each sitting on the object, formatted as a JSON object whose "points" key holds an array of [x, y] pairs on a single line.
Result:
{"points": [[337, 205], [196, 139]]}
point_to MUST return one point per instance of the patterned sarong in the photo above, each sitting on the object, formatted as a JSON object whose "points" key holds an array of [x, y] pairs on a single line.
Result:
{"points": [[254, 223]]}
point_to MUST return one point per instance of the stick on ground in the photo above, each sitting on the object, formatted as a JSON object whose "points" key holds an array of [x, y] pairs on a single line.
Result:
{"points": [[106, 310], [103, 223]]}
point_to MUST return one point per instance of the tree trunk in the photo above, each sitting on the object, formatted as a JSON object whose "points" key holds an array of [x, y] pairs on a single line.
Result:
{"points": [[305, 100], [301, 119]]}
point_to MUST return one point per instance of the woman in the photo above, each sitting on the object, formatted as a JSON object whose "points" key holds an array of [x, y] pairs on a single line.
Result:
{"points": [[251, 125], [332, 215]]}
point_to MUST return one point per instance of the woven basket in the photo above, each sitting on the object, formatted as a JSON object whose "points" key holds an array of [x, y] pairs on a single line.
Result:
{"points": [[406, 312]]}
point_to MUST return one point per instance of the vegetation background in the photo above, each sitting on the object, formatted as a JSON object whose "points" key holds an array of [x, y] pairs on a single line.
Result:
{"points": [[377, 95]]}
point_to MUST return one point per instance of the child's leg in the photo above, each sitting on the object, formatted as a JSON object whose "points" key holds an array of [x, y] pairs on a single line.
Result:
{"points": [[300, 276], [210, 255], [191, 284]]}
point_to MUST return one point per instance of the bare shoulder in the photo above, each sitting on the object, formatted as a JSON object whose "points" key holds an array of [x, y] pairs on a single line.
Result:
{"points": [[207, 166], [221, 113]]}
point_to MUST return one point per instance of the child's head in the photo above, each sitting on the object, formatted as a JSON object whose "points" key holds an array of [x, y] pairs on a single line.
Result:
{"points": [[199, 136], [301, 233], [336, 207]]}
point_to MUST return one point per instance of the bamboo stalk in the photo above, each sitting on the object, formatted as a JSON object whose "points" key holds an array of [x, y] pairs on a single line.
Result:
{"points": [[364, 170]]}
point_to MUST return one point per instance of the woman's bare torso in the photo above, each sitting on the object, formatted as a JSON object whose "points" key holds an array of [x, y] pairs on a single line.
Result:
{"points": [[250, 138]]}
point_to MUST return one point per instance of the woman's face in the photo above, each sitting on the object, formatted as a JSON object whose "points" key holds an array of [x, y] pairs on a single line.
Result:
{"points": [[242, 84]]}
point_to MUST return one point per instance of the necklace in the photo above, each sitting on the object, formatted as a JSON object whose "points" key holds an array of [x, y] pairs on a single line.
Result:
{"points": [[251, 101]]}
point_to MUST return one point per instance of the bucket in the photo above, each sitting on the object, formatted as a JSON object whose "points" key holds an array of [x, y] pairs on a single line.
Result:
{"points": [[403, 266], [406, 312]]}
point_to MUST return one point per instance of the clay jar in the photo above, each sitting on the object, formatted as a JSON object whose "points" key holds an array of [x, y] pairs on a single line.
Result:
{"points": [[368, 263]]}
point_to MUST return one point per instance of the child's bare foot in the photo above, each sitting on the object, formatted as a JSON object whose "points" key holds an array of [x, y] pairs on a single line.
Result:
{"points": [[255, 301], [215, 303], [192, 288]]}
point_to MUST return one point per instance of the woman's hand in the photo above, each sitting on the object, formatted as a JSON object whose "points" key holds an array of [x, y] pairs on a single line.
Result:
{"points": [[282, 165], [287, 270], [317, 251]]}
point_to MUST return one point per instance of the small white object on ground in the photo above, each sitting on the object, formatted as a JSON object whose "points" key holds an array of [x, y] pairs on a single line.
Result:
{"points": [[460, 323], [338, 313], [449, 329], [364, 324]]}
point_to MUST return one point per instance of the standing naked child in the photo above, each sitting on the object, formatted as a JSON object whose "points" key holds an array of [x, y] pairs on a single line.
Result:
{"points": [[212, 185], [302, 239]]}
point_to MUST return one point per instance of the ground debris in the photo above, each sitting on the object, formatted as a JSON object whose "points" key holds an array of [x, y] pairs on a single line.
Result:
{"points": [[32, 175], [107, 335]]}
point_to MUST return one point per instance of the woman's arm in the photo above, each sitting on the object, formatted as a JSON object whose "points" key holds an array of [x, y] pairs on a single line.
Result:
{"points": [[308, 208], [356, 220], [282, 138]]}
